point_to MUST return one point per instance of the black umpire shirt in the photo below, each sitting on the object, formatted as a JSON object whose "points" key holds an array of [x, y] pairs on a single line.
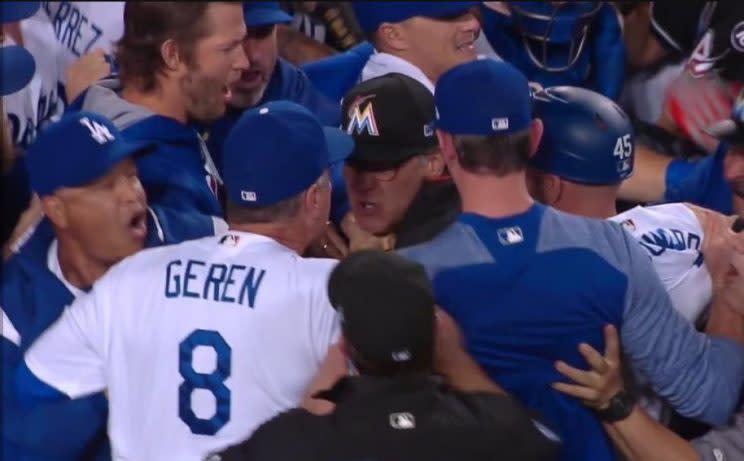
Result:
{"points": [[403, 419]]}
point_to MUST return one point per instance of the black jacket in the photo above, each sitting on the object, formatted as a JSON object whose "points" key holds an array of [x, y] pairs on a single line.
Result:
{"points": [[409, 419], [436, 206]]}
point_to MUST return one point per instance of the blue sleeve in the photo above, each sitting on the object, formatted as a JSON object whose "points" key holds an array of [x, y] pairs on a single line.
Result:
{"points": [[167, 226], [701, 182], [47, 423], [686, 180], [609, 54], [335, 75], [299, 88], [699, 376]]}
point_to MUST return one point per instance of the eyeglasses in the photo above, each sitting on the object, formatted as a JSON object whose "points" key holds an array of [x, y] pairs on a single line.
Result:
{"points": [[390, 174], [386, 175], [383, 175]]}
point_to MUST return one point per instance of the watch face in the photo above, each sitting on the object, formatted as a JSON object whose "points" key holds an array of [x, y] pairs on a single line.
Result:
{"points": [[624, 402], [620, 407]]}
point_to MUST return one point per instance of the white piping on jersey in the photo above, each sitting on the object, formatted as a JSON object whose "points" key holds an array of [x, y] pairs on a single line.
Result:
{"points": [[15, 246], [207, 157], [8, 331], [158, 227]]}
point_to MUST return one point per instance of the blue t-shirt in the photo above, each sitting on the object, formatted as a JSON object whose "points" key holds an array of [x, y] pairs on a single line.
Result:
{"points": [[527, 289]]}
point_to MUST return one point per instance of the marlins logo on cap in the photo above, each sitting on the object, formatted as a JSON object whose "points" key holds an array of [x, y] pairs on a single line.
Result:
{"points": [[362, 119], [737, 37]]}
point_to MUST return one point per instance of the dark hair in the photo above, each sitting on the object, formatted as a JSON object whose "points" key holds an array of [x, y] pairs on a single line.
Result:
{"points": [[242, 214], [373, 37], [497, 155], [147, 25]]}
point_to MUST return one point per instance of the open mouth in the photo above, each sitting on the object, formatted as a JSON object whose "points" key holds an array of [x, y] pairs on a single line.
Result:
{"points": [[138, 225], [227, 93], [366, 208], [467, 46], [250, 77]]}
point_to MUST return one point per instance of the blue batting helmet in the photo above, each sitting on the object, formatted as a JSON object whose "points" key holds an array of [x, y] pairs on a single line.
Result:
{"points": [[588, 139]]}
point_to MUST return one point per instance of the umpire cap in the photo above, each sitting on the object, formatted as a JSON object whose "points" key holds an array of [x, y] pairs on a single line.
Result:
{"points": [[587, 138], [390, 118], [386, 304]]}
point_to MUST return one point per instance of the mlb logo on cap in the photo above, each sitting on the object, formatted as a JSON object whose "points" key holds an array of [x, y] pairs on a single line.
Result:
{"points": [[482, 97], [624, 166], [500, 124], [248, 196]]}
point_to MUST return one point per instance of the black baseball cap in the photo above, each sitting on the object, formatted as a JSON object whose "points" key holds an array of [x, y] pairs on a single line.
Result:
{"points": [[391, 120], [731, 130], [728, 40], [386, 304]]}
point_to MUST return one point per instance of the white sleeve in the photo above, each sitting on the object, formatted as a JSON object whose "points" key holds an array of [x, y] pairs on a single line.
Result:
{"points": [[672, 237], [69, 355], [325, 329]]}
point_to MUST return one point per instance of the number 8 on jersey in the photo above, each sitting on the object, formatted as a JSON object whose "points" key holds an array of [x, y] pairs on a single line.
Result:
{"points": [[214, 382]]}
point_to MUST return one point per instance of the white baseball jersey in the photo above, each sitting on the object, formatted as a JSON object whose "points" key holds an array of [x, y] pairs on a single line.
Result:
{"points": [[673, 238], [81, 27], [39, 103], [197, 343]]}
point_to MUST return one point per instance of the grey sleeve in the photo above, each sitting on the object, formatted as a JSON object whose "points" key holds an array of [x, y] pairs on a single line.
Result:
{"points": [[724, 444], [700, 376]]}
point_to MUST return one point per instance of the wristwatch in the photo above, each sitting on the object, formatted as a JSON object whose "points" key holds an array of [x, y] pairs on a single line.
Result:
{"points": [[620, 407]]}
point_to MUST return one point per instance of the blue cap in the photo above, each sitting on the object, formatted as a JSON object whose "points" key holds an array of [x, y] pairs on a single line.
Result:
{"points": [[258, 14], [482, 98], [15, 11], [371, 14], [17, 68], [277, 150], [78, 149]]}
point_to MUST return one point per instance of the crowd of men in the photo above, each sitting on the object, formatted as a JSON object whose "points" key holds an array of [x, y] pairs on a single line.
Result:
{"points": [[372, 231]]}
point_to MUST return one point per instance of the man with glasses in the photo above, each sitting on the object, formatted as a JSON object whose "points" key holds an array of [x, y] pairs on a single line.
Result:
{"points": [[396, 181]]}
